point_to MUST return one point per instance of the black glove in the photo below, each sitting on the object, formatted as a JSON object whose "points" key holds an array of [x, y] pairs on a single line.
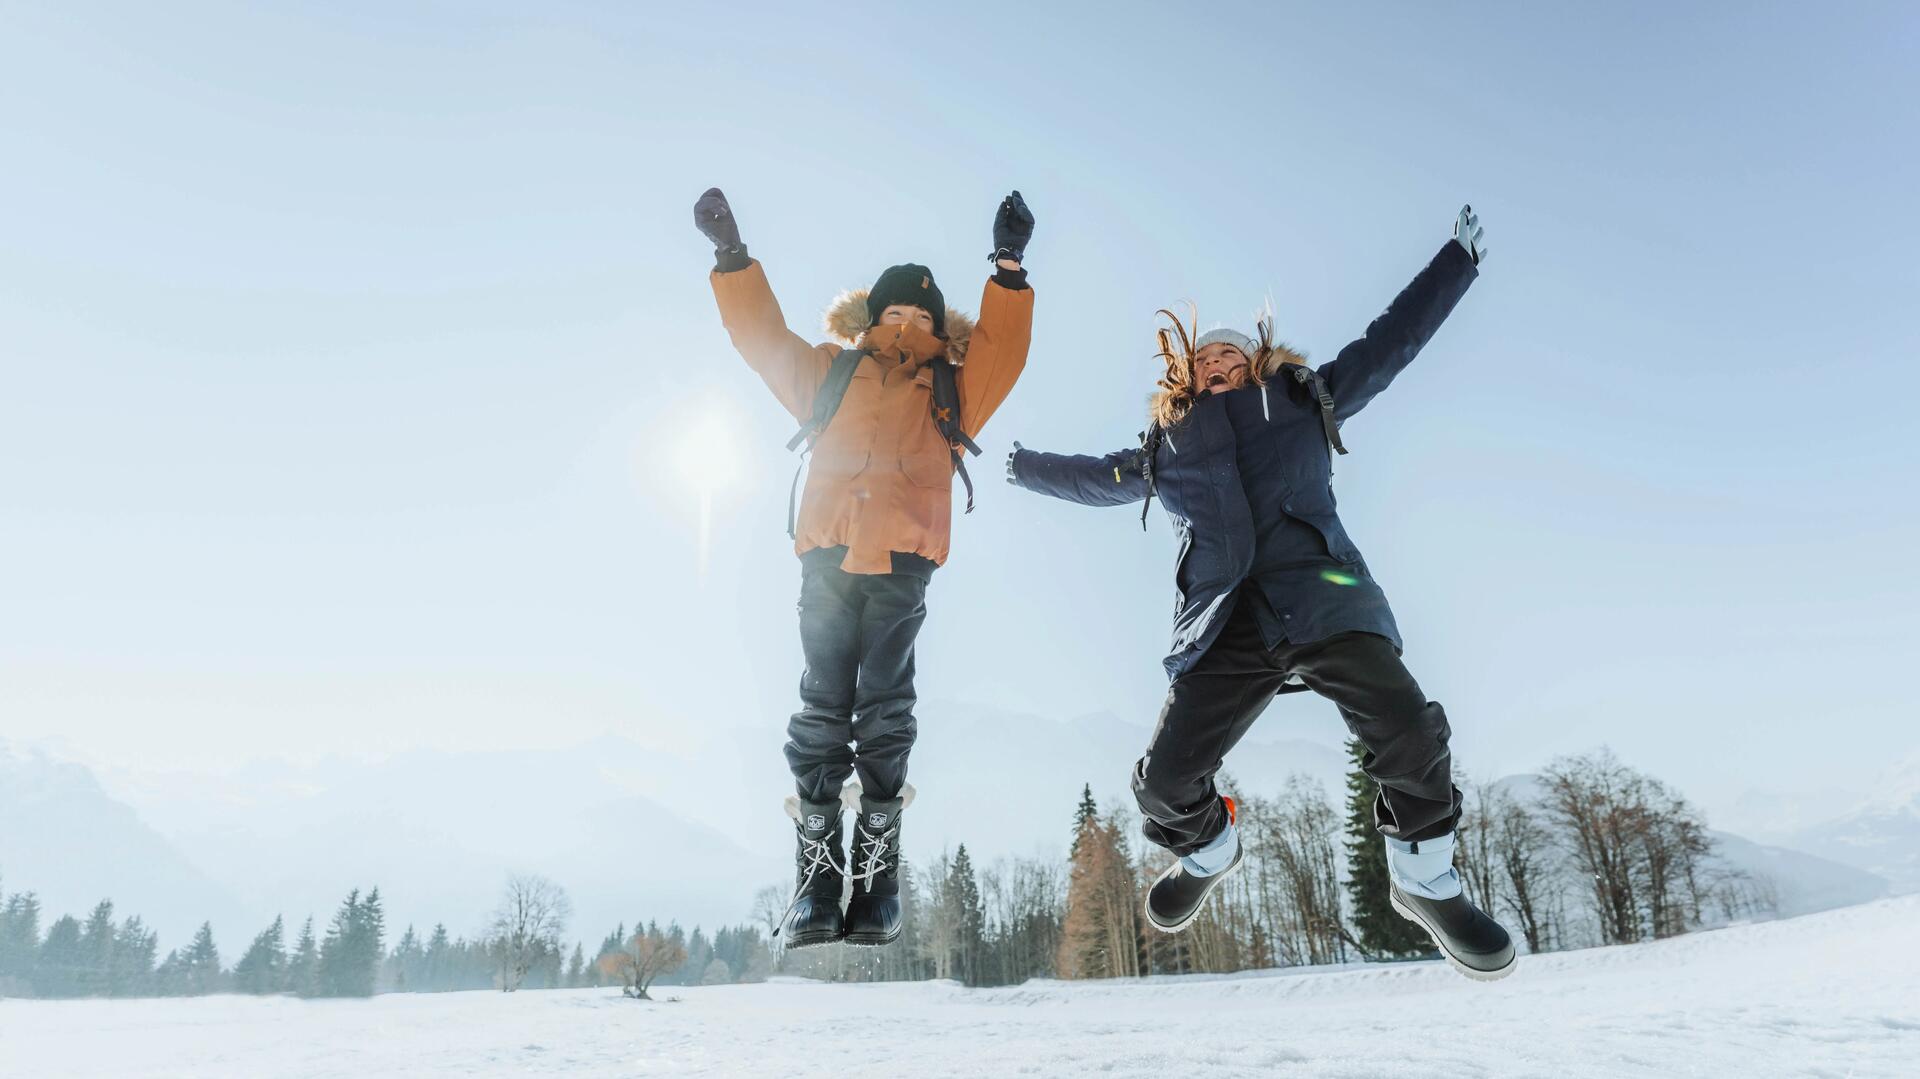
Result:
{"points": [[1012, 228], [714, 218], [1012, 476]]}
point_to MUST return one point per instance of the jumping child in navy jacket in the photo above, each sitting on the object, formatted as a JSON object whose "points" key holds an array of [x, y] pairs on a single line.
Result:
{"points": [[1271, 588]]}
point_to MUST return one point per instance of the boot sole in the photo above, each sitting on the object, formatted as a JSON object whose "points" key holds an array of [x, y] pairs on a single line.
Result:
{"points": [[1198, 907], [867, 940], [1477, 975], [811, 940]]}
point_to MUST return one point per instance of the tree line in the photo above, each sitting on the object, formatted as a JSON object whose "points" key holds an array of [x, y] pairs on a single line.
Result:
{"points": [[1593, 852], [1597, 853], [521, 948], [102, 958]]}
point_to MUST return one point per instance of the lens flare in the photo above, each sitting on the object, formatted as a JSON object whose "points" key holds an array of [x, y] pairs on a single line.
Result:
{"points": [[708, 459], [1334, 576]]}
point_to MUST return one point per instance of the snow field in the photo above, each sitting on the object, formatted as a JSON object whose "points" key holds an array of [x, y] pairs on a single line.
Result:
{"points": [[1834, 994]]}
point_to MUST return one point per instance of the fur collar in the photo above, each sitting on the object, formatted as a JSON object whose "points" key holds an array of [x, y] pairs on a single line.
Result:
{"points": [[1280, 356], [846, 319]]}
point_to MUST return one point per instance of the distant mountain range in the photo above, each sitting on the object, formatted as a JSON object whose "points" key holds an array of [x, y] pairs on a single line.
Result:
{"points": [[635, 830], [64, 838], [1882, 838]]}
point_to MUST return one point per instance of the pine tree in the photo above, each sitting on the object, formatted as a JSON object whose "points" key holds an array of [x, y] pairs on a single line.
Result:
{"points": [[96, 946], [61, 960], [1381, 932], [303, 967], [19, 942], [967, 918], [438, 962], [699, 957], [350, 953], [170, 977], [408, 965], [202, 963], [370, 944], [263, 969], [577, 968], [1086, 813], [1099, 934], [134, 947]]}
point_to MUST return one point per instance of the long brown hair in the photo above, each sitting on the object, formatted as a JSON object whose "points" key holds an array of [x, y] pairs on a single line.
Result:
{"points": [[1177, 392]]}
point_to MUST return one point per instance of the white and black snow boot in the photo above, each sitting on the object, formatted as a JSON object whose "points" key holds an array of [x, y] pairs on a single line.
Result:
{"points": [[814, 916], [1426, 890], [873, 912], [1178, 894]]}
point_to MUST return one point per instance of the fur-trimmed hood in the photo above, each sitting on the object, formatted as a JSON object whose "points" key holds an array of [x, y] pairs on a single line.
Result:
{"points": [[846, 319], [1280, 355]]}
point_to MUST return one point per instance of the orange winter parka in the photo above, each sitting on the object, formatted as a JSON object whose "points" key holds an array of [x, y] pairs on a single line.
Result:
{"points": [[881, 475]]}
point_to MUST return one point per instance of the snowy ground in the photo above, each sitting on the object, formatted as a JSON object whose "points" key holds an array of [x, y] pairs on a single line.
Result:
{"points": [[1835, 994]]}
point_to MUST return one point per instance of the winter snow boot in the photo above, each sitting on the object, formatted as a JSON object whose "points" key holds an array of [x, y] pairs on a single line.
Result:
{"points": [[814, 917], [873, 914], [1426, 891], [1177, 895]]}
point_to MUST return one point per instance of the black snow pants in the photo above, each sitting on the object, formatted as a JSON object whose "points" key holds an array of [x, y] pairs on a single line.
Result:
{"points": [[1211, 706], [857, 632]]}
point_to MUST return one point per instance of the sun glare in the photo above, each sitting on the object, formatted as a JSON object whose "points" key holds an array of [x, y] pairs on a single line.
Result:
{"points": [[707, 455]]}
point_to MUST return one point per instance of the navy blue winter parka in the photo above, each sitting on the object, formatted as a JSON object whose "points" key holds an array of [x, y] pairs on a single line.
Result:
{"points": [[1246, 478]]}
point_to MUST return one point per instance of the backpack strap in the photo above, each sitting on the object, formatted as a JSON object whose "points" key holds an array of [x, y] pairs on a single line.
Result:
{"points": [[826, 402], [1310, 378], [1149, 445], [946, 417]]}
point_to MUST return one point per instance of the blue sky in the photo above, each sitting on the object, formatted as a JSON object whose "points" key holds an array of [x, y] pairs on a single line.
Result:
{"points": [[349, 359]]}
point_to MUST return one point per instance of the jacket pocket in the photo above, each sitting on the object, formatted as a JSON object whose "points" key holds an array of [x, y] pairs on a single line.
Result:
{"points": [[843, 458], [926, 458]]}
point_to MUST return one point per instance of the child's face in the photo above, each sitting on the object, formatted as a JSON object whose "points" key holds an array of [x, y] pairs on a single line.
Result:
{"points": [[1219, 367], [901, 314]]}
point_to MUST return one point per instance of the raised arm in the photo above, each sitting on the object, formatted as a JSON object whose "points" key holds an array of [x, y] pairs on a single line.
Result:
{"points": [[791, 368], [998, 352], [1368, 365], [1113, 480]]}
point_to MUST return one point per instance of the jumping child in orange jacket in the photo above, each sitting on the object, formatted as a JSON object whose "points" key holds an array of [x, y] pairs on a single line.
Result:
{"points": [[872, 526]]}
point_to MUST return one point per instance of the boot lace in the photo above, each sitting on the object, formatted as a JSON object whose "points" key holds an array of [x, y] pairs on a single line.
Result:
{"points": [[819, 856], [874, 847]]}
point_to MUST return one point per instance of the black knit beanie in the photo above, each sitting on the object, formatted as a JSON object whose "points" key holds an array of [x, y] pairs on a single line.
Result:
{"points": [[912, 285]]}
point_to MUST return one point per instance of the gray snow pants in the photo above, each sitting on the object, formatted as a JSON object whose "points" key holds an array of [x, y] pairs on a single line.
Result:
{"points": [[857, 632]]}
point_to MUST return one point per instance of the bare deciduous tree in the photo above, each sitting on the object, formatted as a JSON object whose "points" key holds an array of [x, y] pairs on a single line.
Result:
{"points": [[1529, 882], [1594, 800], [1474, 856], [1643, 847], [533, 912]]}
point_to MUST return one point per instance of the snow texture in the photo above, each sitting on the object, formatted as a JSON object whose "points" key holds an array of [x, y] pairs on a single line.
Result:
{"points": [[1834, 994]]}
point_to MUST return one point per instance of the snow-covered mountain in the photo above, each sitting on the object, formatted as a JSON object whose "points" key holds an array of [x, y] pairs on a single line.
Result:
{"points": [[63, 837], [439, 831], [1803, 883], [1882, 839]]}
